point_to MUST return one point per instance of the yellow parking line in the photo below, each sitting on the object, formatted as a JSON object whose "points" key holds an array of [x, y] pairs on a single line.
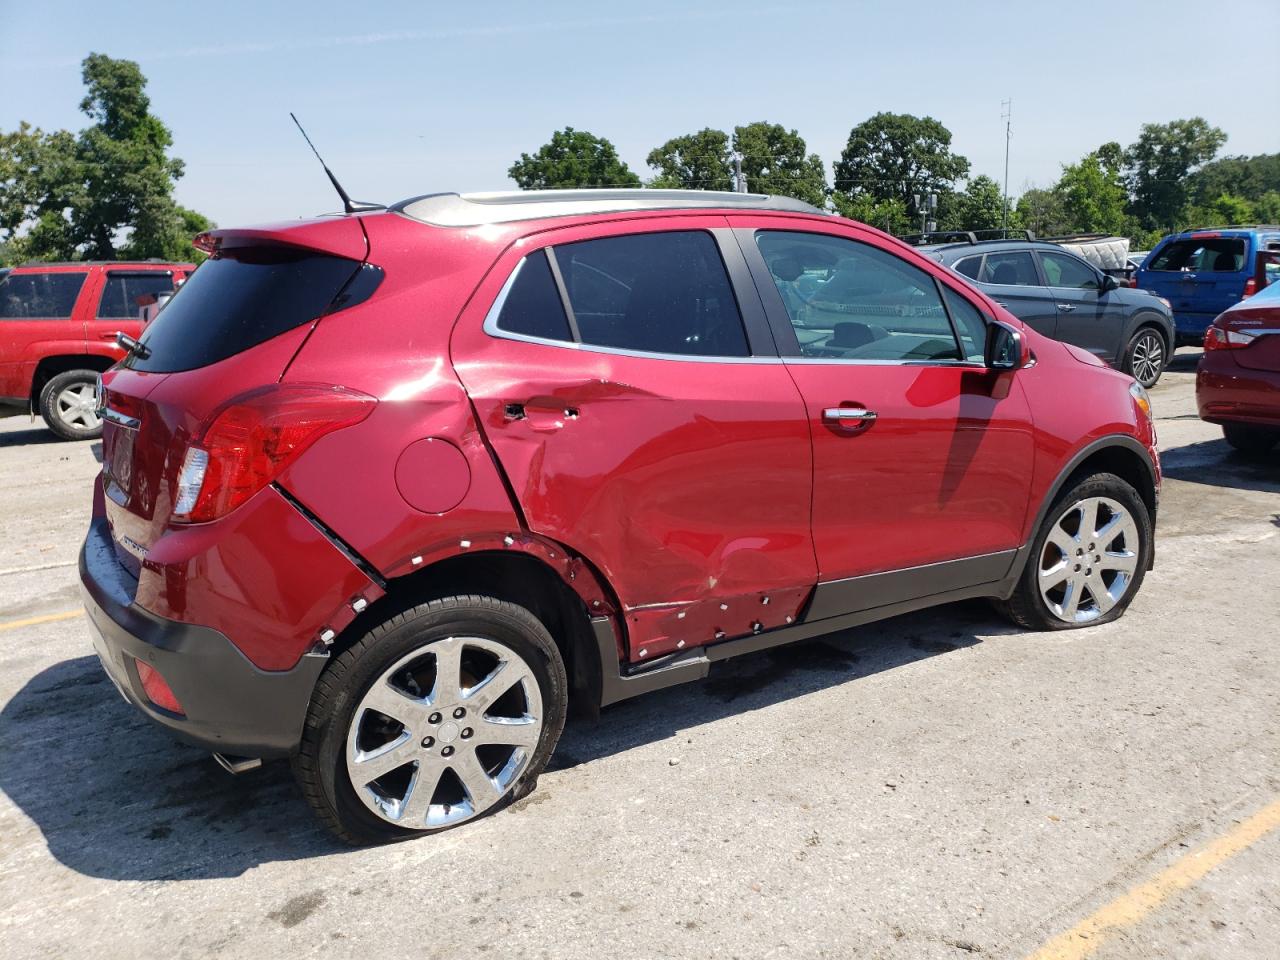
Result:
{"points": [[1130, 908], [47, 618]]}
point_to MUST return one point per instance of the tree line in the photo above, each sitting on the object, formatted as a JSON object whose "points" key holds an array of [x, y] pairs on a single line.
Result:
{"points": [[1170, 178]]}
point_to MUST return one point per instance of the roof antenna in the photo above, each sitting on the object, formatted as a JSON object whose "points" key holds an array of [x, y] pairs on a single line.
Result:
{"points": [[348, 205]]}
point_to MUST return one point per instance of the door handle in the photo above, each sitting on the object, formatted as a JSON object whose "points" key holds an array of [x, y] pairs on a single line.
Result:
{"points": [[1066, 307], [1001, 303], [848, 415]]}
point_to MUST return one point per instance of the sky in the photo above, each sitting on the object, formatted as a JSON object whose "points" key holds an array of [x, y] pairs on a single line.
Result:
{"points": [[410, 98]]}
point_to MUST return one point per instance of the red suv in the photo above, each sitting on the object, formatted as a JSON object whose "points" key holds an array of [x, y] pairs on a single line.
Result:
{"points": [[58, 325], [386, 493]]}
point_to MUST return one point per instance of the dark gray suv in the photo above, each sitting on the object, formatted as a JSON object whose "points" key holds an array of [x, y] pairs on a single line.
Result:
{"points": [[1064, 297]]}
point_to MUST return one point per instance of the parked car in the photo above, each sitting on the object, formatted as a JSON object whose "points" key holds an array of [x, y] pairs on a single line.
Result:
{"points": [[1062, 296], [58, 326], [387, 493], [1203, 272], [1238, 379]]}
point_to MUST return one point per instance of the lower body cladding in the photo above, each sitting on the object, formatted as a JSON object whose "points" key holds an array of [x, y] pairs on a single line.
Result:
{"points": [[227, 704]]}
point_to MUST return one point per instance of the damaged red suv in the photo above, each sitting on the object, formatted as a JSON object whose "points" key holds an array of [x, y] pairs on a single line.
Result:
{"points": [[387, 493]]}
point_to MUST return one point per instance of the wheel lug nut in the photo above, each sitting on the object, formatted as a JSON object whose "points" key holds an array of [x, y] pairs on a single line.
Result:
{"points": [[428, 742], [466, 733], [434, 718], [447, 752], [459, 713]]}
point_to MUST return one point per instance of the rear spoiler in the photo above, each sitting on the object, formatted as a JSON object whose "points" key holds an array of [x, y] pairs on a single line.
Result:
{"points": [[337, 236]]}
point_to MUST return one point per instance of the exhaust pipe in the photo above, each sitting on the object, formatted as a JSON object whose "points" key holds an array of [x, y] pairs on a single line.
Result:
{"points": [[237, 765]]}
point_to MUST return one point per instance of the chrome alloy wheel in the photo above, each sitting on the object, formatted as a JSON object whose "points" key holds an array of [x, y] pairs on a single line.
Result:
{"points": [[77, 406], [1089, 559], [1148, 358], [444, 732]]}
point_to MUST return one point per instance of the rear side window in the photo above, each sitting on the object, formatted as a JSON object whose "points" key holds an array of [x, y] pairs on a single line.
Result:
{"points": [[121, 292], [238, 300], [1010, 269], [1211, 254], [969, 267], [653, 292], [43, 296], [532, 306]]}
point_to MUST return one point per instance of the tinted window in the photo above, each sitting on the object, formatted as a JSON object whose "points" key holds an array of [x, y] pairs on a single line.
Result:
{"points": [[1063, 271], [238, 300], [120, 293], [1010, 269], [851, 301], [655, 292], [533, 306], [969, 267], [969, 323], [39, 295], [1214, 254]]}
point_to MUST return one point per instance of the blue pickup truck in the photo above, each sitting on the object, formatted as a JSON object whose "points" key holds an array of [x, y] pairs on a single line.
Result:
{"points": [[1202, 272]]}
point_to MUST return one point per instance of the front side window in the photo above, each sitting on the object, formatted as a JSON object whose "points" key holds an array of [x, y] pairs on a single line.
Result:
{"points": [[969, 324], [653, 292], [1063, 271], [852, 301], [1211, 254], [1010, 269], [39, 296], [122, 290]]}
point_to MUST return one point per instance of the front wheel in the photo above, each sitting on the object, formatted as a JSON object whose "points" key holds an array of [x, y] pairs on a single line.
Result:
{"points": [[1144, 358], [1088, 558], [441, 715]]}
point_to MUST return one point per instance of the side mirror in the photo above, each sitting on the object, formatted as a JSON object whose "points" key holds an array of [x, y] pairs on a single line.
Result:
{"points": [[1108, 283], [1006, 348]]}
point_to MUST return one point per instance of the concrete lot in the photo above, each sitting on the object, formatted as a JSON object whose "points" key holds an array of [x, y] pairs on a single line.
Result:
{"points": [[940, 785]]}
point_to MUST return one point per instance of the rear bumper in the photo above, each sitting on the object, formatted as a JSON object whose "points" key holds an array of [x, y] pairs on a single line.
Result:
{"points": [[230, 705], [1229, 393]]}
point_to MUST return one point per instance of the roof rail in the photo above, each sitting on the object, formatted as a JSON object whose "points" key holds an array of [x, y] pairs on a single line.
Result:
{"points": [[965, 236]]}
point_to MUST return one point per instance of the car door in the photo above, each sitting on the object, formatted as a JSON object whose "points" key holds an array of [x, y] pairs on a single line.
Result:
{"points": [[118, 309], [37, 319], [1010, 278], [921, 456], [640, 425], [1088, 316]]}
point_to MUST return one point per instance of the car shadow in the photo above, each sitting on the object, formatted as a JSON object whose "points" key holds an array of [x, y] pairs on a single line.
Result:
{"points": [[1216, 463], [117, 798], [35, 436], [1185, 360]]}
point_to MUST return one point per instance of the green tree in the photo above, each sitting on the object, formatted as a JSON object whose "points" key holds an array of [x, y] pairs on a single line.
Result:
{"points": [[695, 161], [1268, 207], [887, 215], [1093, 194], [572, 158], [1248, 177], [1160, 164], [104, 194], [980, 206], [1222, 210], [774, 160], [893, 156]]}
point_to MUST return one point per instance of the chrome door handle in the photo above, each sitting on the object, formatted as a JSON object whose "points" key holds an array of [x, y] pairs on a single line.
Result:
{"points": [[1001, 303], [847, 414], [1066, 307]]}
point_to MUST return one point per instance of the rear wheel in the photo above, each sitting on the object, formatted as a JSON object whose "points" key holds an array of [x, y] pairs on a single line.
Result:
{"points": [[1145, 357], [69, 405], [1088, 558], [441, 715], [1250, 439]]}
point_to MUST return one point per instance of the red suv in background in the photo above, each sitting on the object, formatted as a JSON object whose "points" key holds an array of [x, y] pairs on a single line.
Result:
{"points": [[58, 325], [386, 493]]}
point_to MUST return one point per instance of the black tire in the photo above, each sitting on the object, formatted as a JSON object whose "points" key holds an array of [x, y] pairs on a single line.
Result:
{"points": [[321, 764], [1027, 607], [1146, 356], [58, 387], [1251, 440]]}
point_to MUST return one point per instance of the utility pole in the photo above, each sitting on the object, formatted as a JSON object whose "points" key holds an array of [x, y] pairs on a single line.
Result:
{"points": [[739, 181], [1006, 114]]}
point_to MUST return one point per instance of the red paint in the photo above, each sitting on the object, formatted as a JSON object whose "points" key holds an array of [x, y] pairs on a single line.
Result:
{"points": [[1238, 379], [690, 501]]}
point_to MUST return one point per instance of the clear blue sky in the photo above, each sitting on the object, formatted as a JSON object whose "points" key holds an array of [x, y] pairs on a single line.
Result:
{"points": [[408, 98]]}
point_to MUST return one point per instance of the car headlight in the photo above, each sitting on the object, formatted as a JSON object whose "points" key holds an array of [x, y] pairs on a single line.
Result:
{"points": [[1167, 305]]}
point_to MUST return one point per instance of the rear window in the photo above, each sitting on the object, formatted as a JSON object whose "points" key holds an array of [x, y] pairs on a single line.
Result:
{"points": [[1212, 254], [238, 300], [43, 296]]}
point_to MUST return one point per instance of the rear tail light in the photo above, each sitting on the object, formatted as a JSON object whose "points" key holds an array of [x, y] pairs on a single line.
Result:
{"points": [[1220, 338], [1250, 287], [157, 688], [252, 439]]}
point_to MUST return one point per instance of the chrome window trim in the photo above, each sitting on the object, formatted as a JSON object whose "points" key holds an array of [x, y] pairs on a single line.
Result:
{"points": [[885, 363]]}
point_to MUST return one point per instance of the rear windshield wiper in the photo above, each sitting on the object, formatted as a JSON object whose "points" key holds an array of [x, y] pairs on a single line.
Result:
{"points": [[135, 348]]}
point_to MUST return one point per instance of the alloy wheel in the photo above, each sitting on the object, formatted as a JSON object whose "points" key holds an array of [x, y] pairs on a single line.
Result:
{"points": [[76, 406], [1148, 358], [1089, 560], [444, 732]]}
